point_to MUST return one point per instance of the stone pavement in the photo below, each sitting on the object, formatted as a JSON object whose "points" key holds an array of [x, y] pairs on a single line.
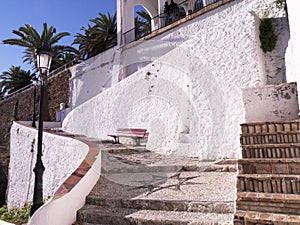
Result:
{"points": [[142, 187]]}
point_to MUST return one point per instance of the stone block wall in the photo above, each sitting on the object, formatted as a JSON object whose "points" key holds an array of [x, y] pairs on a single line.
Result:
{"points": [[20, 106]]}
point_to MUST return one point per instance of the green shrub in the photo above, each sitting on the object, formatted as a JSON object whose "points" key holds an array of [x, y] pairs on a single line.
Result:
{"points": [[267, 36], [15, 215]]}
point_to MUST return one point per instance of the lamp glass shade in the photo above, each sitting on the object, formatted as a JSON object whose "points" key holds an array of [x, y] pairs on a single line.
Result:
{"points": [[34, 81], [44, 61]]}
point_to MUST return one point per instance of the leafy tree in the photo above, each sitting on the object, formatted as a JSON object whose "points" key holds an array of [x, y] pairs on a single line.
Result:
{"points": [[15, 79], [69, 54], [142, 24], [31, 40], [99, 37]]}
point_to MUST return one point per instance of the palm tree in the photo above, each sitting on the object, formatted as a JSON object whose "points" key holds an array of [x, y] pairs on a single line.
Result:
{"points": [[99, 37], [31, 40], [15, 79], [142, 24], [65, 56], [87, 46]]}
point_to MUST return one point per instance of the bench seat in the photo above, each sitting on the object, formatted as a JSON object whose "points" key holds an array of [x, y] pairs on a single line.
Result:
{"points": [[135, 133]]}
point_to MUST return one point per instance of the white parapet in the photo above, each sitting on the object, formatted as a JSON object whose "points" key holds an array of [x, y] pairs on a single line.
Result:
{"points": [[271, 103]]}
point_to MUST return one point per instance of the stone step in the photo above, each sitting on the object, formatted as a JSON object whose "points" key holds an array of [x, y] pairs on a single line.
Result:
{"points": [[270, 138], [139, 160], [251, 218], [269, 166], [120, 216], [167, 205], [270, 127], [271, 151], [269, 203], [268, 183]]}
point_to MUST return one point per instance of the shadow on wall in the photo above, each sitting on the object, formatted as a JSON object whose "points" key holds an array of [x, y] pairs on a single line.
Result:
{"points": [[3, 186]]}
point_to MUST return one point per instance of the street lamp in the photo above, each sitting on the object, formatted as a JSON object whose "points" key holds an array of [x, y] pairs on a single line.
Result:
{"points": [[44, 57], [34, 82]]}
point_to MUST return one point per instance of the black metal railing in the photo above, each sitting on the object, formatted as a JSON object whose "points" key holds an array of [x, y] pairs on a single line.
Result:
{"points": [[170, 15]]}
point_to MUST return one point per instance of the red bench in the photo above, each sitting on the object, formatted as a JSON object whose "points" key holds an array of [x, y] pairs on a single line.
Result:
{"points": [[135, 133]]}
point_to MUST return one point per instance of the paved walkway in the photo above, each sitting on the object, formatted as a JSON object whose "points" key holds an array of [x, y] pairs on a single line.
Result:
{"points": [[142, 185]]}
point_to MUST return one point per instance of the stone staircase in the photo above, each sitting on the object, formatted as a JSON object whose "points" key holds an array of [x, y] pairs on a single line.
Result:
{"points": [[268, 184], [142, 187]]}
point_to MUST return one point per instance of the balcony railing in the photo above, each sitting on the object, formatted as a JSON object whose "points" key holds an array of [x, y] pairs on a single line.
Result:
{"points": [[170, 15]]}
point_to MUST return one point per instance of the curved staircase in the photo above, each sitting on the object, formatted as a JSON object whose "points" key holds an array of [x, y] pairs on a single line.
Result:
{"points": [[142, 187], [269, 174]]}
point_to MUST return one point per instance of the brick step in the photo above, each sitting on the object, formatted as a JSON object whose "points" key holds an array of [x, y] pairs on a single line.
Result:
{"points": [[252, 218], [120, 216], [286, 184], [269, 166], [269, 203], [271, 151], [168, 205], [270, 127], [270, 138]]}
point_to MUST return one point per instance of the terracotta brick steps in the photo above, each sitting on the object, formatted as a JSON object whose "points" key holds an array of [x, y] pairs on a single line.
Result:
{"points": [[269, 183], [258, 218], [270, 127], [269, 166], [291, 150], [270, 138], [270, 203]]}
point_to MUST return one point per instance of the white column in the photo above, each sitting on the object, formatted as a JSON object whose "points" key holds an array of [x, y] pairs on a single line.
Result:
{"points": [[119, 22], [293, 51]]}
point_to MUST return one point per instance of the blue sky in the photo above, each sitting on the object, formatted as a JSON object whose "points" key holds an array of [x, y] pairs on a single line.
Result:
{"points": [[64, 15]]}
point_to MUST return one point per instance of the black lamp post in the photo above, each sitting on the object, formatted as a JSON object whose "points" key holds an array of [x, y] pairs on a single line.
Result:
{"points": [[34, 82], [44, 57]]}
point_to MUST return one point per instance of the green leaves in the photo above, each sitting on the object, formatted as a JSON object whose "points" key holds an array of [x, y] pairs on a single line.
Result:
{"points": [[15, 79], [31, 40], [142, 24], [15, 215], [97, 38], [267, 35]]}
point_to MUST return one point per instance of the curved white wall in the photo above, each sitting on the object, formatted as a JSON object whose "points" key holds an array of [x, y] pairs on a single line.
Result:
{"points": [[189, 97], [61, 156]]}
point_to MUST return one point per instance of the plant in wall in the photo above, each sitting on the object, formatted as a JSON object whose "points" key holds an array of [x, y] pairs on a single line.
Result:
{"points": [[282, 4], [267, 36], [15, 215]]}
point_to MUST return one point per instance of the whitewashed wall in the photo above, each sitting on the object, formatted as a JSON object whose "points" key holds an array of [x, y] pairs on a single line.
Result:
{"points": [[271, 103], [191, 90], [61, 156], [293, 51], [91, 77]]}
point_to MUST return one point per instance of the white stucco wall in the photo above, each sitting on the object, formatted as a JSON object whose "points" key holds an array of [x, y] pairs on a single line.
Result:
{"points": [[192, 88], [61, 156], [91, 77], [271, 103], [293, 51]]}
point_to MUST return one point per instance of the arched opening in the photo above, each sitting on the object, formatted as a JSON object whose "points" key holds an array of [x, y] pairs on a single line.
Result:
{"points": [[142, 21]]}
